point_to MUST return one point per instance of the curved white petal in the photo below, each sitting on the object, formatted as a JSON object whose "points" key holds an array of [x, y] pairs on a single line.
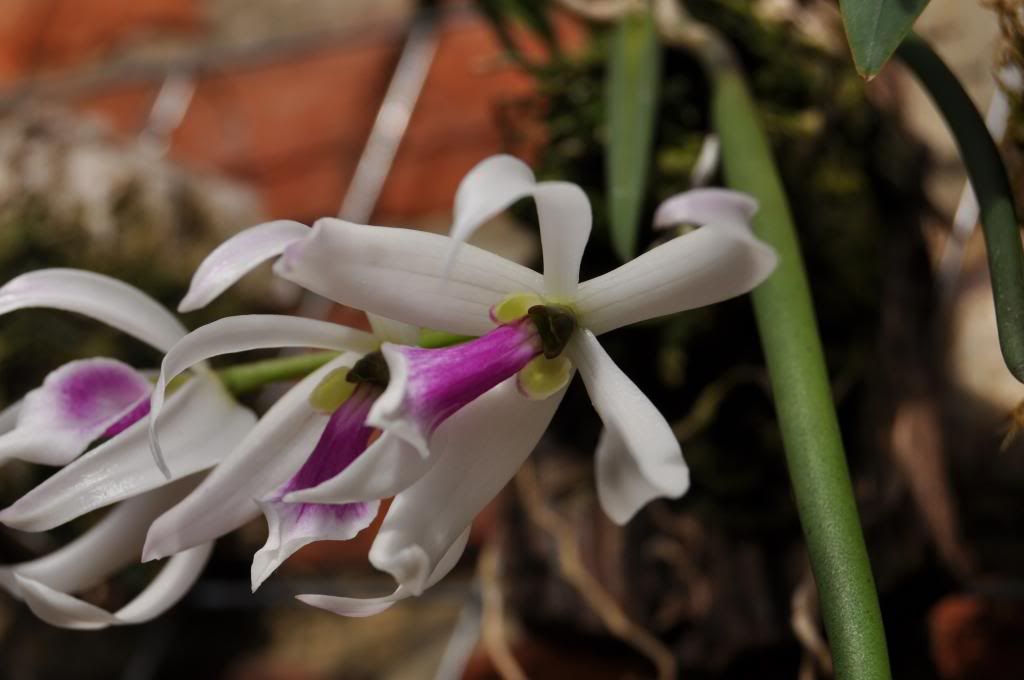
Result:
{"points": [[242, 333], [716, 207], [477, 454], [638, 456], [699, 268], [389, 330], [170, 585], [401, 274], [76, 404], [271, 453], [388, 466], [563, 211], [200, 425], [101, 297], [291, 526], [112, 543], [238, 256], [492, 185], [9, 417], [369, 606]]}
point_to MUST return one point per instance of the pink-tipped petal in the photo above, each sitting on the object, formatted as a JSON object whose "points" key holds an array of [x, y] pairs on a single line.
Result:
{"points": [[238, 256], [478, 450], [715, 207], [76, 404], [100, 297], [370, 606], [638, 457], [201, 424], [427, 386], [389, 466], [271, 453], [293, 525], [401, 274], [699, 268]]}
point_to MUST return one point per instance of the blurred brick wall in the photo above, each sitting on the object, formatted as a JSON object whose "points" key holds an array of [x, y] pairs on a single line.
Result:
{"points": [[289, 118]]}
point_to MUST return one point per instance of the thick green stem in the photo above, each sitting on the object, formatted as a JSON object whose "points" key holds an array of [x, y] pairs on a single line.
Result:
{"points": [[243, 378], [992, 187], [803, 398]]}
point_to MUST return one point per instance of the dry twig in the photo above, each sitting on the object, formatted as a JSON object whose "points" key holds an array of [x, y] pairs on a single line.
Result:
{"points": [[589, 588]]}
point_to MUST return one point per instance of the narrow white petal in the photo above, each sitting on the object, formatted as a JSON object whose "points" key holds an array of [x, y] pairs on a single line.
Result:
{"points": [[388, 466], [389, 330], [291, 526], [562, 208], [369, 606], [238, 256], [401, 274], [200, 425], [638, 456], [699, 268], [715, 207], [271, 453], [112, 543], [242, 333], [66, 611], [75, 405], [9, 417], [563, 211], [490, 187], [484, 445], [101, 297]]}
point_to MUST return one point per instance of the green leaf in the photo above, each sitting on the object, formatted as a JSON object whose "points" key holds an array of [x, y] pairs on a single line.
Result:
{"points": [[875, 28], [631, 94]]}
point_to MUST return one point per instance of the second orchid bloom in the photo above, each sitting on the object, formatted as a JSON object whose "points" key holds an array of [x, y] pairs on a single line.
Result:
{"points": [[457, 422]]}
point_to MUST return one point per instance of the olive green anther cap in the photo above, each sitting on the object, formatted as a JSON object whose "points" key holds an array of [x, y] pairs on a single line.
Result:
{"points": [[555, 324]]}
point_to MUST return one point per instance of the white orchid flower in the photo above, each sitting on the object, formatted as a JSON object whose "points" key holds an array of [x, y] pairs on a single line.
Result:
{"points": [[310, 435], [103, 399], [462, 408]]}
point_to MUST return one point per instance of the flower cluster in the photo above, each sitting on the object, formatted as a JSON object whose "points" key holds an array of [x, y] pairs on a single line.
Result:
{"points": [[440, 429]]}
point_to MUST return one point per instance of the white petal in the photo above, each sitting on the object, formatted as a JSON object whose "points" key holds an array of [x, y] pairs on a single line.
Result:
{"points": [[9, 417], [400, 274], [638, 456], [369, 606], [170, 585], [716, 207], [388, 466], [247, 332], [389, 330], [562, 208], [699, 268], [291, 526], [271, 453], [492, 185], [200, 425], [112, 543], [563, 211], [101, 297], [238, 256], [75, 405], [477, 454]]}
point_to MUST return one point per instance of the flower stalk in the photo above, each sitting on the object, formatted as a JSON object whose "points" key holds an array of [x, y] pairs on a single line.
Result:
{"points": [[244, 378], [991, 185]]}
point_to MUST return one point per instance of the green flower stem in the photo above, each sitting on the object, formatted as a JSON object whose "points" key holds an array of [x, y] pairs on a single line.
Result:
{"points": [[992, 188], [243, 378], [803, 398]]}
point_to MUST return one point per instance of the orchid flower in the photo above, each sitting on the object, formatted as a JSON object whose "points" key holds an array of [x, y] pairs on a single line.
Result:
{"points": [[473, 412], [310, 435], [103, 400]]}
